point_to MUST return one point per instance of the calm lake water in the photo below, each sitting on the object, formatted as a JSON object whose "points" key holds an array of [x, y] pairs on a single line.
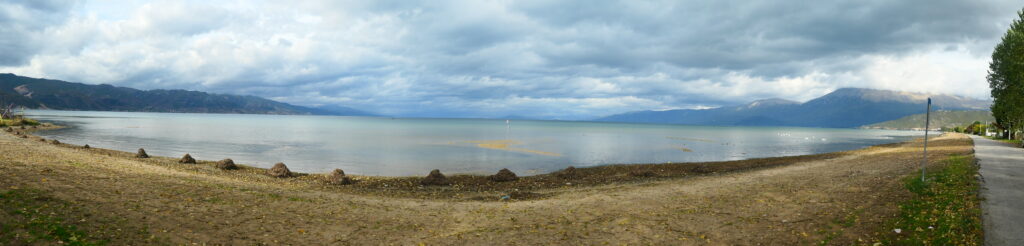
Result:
{"points": [[393, 147]]}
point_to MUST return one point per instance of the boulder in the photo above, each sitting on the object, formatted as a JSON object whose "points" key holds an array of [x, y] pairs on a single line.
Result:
{"points": [[86, 146], [567, 173], [23, 127], [187, 159], [8, 129], [23, 136], [504, 175], [54, 141], [141, 154], [435, 178], [338, 177], [226, 164], [279, 171]]}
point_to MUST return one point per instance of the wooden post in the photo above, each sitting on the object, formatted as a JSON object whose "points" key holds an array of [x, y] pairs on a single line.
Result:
{"points": [[927, 118]]}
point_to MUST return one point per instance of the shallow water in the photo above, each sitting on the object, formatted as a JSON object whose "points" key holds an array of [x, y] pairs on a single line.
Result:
{"points": [[394, 147]]}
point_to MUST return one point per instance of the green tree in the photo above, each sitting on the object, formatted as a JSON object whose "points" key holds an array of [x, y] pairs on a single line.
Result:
{"points": [[1006, 77]]}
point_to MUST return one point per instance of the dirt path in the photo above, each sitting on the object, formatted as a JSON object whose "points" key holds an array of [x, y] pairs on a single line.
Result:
{"points": [[840, 200]]}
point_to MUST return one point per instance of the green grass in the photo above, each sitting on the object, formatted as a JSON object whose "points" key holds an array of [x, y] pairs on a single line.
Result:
{"points": [[18, 122], [29, 219], [1009, 141], [944, 210]]}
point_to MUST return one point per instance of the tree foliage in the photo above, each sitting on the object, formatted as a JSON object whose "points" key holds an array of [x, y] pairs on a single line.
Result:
{"points": [[1006, 76]]}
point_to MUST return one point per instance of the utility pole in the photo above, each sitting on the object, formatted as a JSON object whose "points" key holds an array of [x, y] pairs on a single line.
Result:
{"points": [[927, 119]]}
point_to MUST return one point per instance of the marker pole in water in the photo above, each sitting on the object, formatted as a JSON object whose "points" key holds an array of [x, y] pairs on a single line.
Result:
{"points": [[927, 118]]}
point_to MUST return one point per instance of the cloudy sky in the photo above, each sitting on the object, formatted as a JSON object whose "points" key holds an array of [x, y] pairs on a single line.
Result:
{"points": [[548, 59]]}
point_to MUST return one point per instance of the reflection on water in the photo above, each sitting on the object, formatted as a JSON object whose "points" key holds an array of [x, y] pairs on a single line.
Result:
{"points": [[386, 146], [504, 145]]}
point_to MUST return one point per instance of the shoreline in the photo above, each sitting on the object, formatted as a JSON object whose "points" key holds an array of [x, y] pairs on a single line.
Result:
{"points": [[477, 187], [843, 198]]}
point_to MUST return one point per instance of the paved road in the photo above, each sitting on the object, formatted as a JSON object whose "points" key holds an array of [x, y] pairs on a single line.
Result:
{"points": [[1002, 188]]}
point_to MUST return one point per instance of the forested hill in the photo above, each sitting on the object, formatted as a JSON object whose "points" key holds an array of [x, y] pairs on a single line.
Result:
{"points": [[939, 119], [62, 95]]}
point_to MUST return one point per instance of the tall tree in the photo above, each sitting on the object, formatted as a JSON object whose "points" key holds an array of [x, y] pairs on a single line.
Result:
{"points": [[1006, 76]]}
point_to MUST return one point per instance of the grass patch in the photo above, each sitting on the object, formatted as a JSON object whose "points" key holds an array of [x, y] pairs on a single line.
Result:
{"points": [[944, 210], [19, 122], [28, 219], [1015, 142]]}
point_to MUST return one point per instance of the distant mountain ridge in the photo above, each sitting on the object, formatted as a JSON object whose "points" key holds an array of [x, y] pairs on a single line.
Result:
{"points": [[843, 108], [938, 119], [62, 95]]}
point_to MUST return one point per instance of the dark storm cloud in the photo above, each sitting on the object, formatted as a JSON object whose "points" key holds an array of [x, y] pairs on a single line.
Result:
{"points": [[556, 59], [21, 22], [749, 34]]}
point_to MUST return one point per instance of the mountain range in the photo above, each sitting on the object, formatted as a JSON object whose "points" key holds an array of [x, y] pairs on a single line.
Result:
{"points": [[62, 95], [843, 108]]}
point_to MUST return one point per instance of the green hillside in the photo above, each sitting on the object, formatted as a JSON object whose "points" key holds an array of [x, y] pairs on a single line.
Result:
{"points": [[945, 119]]}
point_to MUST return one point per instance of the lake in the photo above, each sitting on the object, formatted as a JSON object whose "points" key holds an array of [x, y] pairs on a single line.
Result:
{"points": [[401, 147]]}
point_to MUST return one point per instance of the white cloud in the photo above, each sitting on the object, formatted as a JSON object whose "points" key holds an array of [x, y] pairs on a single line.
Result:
{"points": [[492, 58], [953, 71]]}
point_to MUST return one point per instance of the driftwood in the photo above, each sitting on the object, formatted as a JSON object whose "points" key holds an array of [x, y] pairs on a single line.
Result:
{"points": [[7, 112]]}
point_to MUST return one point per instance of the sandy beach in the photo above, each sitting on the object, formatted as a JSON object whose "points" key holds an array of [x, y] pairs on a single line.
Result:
{"points": [[839, 198]]}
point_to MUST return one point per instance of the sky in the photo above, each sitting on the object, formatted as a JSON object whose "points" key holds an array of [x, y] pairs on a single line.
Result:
{"points": [[543, 59]]}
